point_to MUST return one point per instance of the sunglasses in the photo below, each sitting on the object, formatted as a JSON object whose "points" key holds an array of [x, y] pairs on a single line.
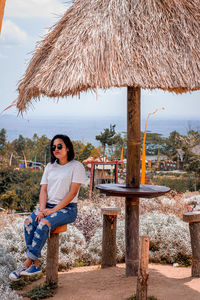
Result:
{"points": [[59, 147]]}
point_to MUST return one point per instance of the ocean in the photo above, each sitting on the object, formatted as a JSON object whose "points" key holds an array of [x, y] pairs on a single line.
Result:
{"points": [[85, 129]]}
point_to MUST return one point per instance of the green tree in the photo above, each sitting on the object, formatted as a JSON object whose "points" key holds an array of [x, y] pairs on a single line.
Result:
{"points": [[154, 143], [2, 141], [19, 145], [115, 149], [42, 149], [78, 146], [86, 152], [107, 137], [173, 142]]}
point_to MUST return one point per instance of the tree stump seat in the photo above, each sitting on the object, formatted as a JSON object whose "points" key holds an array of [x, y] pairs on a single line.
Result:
{"points": [[193, 218], [52, 254], [109, 236]]}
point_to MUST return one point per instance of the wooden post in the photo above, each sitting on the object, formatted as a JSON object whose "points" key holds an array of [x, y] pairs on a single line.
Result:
{"points": [[116, 172], [52, 258], [195, 244], [109, 236], [2, 6], [193, 218], [91, 180], [141, 293], [132, 180]]}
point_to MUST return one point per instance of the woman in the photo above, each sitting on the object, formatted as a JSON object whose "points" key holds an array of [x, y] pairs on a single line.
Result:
{"points": [[60, 184]]}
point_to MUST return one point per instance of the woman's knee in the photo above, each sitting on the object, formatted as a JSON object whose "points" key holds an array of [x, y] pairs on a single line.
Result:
{"points": [[44, 224], [28, 224]]}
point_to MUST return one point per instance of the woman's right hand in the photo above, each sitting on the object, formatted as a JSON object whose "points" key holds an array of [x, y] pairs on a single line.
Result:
{"points": [[40, 216]]}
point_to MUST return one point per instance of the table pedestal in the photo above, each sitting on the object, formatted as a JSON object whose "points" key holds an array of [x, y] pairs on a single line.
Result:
{"points": [[132, 235], [132, 196]]}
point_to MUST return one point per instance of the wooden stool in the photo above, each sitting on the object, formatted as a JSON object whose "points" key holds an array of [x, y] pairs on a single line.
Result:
{"points": [[109, 236], [193, 218], [52, 254]]}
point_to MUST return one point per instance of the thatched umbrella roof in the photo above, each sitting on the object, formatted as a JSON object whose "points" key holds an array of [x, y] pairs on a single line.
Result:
{"points": [[115, 43]]}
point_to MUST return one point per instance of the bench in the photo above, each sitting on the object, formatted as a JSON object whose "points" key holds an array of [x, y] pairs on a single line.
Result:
{"points": [[193, 218], [52, 255], [109, 236]]}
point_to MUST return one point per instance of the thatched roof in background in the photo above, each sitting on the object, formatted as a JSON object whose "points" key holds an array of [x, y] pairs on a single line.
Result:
{"points": [[115, 43]]}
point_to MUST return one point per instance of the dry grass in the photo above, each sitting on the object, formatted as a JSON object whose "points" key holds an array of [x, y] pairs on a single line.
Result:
{"points": [[102, 44], [5, 219]]}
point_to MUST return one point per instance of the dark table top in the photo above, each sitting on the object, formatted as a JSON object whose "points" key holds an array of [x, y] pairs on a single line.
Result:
{"points": [[144, 191]]}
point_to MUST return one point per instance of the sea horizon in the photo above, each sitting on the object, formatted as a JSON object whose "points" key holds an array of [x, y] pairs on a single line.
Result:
{"points": [[86, 128]]}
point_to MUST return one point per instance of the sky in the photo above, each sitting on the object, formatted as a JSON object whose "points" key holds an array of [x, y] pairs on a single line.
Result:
{"points": [[25, 23]]}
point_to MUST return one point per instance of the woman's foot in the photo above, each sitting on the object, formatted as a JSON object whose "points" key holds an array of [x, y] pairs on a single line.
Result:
{"points": [[16, 275], [32, 270]]}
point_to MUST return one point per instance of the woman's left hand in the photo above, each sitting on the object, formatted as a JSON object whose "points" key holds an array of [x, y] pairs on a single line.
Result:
{"points": [[48, 211]]}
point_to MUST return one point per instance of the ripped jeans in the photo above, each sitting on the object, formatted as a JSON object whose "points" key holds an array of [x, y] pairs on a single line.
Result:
{"points": [[36, 233]]}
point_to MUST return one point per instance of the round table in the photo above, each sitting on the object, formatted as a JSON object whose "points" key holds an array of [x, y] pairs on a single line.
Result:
{"points": [[144, 191]]}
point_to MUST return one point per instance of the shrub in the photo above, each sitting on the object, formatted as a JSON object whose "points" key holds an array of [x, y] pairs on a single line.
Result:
{"points": [[169, 239], [7, 265], [83, 193], [88, 220], [165, 205], [8, 294], [72, 244], [180, 185], [94, 251], [19, 189], [72, 247], [193, 201]]}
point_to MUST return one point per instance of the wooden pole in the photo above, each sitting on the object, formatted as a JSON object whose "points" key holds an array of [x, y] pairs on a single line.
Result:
{"points": [[109, 241], [109, 236], [143, 269], [52, 258], [132, 180], [193, 218], [91, 180], [195, 244], [2, 6]]}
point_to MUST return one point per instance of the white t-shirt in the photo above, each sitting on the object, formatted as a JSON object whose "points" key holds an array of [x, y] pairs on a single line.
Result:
{"points": [[59, 178]]}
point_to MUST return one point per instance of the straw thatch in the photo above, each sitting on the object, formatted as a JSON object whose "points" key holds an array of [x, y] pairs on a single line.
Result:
{"points": [[114, 43]]}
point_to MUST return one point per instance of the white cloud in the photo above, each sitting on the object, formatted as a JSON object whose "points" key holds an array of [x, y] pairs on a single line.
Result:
{"points": [[35, 8], [12, 34]]}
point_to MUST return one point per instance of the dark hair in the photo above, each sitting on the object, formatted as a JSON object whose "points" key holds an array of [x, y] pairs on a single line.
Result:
{"points": [[68, 143]]}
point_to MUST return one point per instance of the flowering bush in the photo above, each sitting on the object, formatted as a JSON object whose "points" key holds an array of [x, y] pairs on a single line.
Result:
{"points": [[94, 250], [193, 201], [72, 244], [88, 220], [174, 205], [8, 294], [7, 265], [12, 240], [169, 239]]}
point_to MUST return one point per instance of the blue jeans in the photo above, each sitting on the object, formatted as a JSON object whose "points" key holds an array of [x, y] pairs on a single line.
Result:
{"points": [[36, 233]]}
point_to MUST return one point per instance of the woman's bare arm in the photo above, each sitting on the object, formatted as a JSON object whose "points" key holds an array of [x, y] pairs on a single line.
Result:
{"points": [[43, 201], [43, 197]]}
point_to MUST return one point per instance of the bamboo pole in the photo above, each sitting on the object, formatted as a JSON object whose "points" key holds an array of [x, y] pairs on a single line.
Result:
{"points": [[132, 180], [2, 6]]}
